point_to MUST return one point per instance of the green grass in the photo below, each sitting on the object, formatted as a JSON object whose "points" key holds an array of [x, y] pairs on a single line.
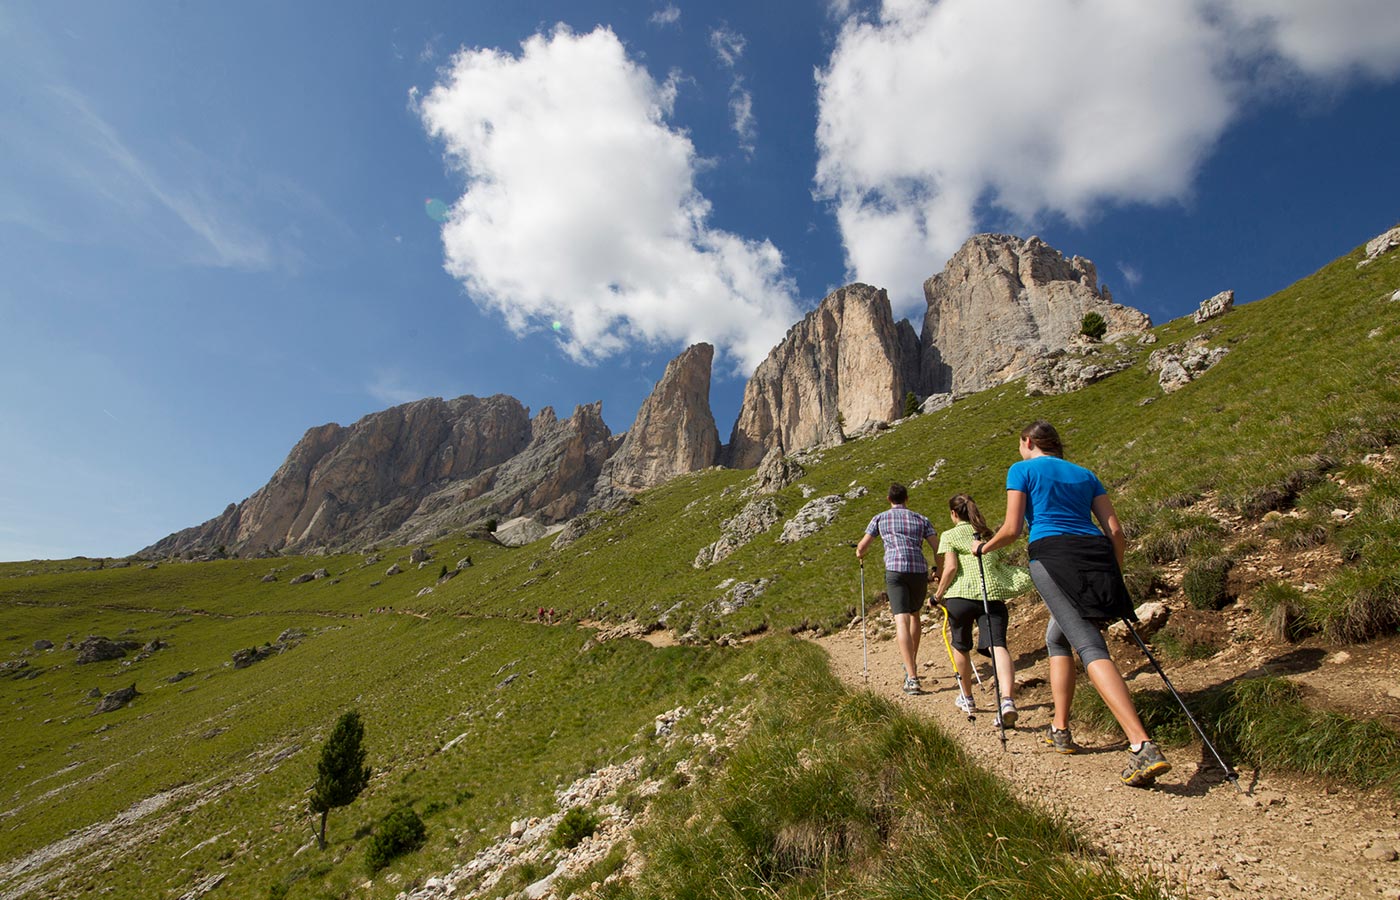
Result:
{"points": [[837, 794]]}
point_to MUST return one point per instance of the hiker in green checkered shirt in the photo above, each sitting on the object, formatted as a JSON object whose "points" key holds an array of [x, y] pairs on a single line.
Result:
{"points": [[959, 591]]}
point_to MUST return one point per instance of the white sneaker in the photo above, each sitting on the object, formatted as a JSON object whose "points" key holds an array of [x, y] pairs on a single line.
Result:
{"points": [[966, 704], [1008, 712]]}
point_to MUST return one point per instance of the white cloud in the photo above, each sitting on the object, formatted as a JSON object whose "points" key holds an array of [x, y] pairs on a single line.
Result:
{"points": [[729, 47], [670, 14], [935, 117], [580, 206], [1131, 274]]}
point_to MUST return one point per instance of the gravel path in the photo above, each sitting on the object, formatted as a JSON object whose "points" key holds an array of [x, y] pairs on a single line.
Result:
{"points": [[1284, 839]]}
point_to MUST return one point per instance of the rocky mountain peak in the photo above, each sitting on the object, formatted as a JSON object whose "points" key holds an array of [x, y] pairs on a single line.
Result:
{"points": [[674, 431], [845, 362], [1001, 304]]}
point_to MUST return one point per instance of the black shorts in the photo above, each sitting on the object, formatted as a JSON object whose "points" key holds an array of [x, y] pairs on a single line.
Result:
{"points": [[907, 591], [991, 631]]}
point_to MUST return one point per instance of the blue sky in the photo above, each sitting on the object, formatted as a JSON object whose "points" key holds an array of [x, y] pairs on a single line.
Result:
{"points": [[213, 233]]}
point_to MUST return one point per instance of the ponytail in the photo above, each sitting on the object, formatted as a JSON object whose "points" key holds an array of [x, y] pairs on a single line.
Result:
{"points": [[967, 510]]}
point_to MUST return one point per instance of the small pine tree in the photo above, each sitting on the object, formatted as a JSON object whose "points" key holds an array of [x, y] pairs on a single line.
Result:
{"points": [[443, 572], [341, 773], [1093, 326], [911, 404]]}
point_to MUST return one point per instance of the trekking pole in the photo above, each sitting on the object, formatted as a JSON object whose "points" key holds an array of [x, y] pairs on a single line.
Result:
{"points": [[957, 676], [864, 661], [996, 680], [1230, 774]]}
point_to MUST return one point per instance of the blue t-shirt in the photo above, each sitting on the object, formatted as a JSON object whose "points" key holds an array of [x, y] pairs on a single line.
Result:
{"points": [[1060, 495]]}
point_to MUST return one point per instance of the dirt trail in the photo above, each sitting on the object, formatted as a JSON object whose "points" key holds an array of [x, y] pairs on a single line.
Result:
{"points": [[1286, 839]]}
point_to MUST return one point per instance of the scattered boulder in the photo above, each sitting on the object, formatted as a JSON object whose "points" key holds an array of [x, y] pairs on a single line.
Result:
{"points": [[520, 531], [1151, 617], [43, 644], [116, 700], [754, 519], [811, 518], [1216, 306], [178, 677], [464, 563], [99, 649], [737, 597], [320, 573], [288, 639], [448, 575], [1381, 243], [935, 402], [15, 668], [94, 694], [1180, 364], [776, 472], [419, 555], [269, 578], [424, 592], [394, 570], [303, 578], [242, 659]]}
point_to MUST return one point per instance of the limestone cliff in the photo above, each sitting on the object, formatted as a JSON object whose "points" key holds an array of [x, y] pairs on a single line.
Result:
{"points": [[1003, 303], [674, 431], [342, 482], [846, 362]]}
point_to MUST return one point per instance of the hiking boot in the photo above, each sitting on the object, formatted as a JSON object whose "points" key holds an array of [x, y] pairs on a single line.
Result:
{"points": [[911, 685], [1008, 712], [1059, 739], [966, 704], [1145, 765]]}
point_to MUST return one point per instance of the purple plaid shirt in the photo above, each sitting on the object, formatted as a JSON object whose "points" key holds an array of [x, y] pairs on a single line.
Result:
{"points": [[902, 531]]}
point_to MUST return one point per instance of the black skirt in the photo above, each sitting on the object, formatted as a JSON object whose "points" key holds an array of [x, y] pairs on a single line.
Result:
{"points": [[1086, 569]]}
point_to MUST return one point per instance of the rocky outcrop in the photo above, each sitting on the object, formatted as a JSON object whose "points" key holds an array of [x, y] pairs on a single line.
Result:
{"points": [[339, 484], [1002, 303], [674, 432], [776, 472], [1215, 306], [116, 700], [751, 521], [1180, 364], [1380, 244], [1062, 372], [845, 362], [552, 479]]}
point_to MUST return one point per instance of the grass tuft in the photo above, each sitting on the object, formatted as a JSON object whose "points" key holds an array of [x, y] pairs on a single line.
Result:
{"points": [[1206, 583]]}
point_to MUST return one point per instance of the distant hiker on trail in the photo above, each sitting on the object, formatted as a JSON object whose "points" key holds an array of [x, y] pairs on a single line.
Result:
{"points": [[907, 575], [960, 593], [1078, 571]]}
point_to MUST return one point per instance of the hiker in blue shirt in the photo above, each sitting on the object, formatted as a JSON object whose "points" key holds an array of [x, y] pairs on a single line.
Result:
{"points": [[1078, 572], [907, 574]]}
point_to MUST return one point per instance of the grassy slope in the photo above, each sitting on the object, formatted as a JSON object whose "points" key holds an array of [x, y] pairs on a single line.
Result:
{"points": [[1305, 375]]}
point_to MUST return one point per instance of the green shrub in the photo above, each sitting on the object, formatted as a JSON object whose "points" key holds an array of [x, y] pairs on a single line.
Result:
{"points": [[1282, 605], [911, 404], [400, 832], [578, 823], [1093, 326], [1206, 583]]}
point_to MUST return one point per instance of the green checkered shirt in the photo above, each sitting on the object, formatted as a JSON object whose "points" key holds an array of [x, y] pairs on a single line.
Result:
{"points": [[1003, 581]]}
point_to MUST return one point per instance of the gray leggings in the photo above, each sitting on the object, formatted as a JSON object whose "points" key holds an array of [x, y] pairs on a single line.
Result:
{"points": [[1068, 630]]}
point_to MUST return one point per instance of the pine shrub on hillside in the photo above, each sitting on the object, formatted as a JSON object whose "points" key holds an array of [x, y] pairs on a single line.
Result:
{"points": [[400, 832]]}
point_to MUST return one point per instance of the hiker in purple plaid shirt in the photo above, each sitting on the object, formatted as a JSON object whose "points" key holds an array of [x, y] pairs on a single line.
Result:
{"points": [[907, 574]]}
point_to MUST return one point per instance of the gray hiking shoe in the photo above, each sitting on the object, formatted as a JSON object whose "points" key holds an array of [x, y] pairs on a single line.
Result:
{"points": [[1145, 765], [911, 685], [966, 704], [1008, 712], [1060, 740]]}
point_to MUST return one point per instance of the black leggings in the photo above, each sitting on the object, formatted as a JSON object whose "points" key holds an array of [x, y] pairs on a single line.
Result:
{"points": [[991, 630]]}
